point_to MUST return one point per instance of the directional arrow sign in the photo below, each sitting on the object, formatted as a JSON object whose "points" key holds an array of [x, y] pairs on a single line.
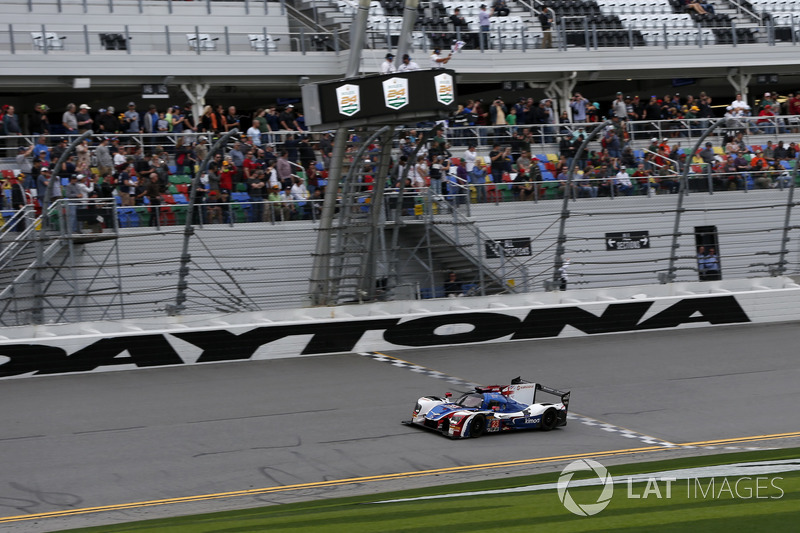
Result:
{"points": [[628, 240]]}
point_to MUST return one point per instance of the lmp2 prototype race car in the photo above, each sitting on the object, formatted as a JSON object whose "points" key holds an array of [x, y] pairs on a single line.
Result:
{"points": [[492, 409]]}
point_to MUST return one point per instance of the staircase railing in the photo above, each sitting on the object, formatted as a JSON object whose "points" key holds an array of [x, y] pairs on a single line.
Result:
{"points": [[461, 231], [17, 232]]}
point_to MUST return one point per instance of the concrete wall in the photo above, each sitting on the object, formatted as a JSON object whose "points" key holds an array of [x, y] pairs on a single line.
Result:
{"points": [[122, 345]]}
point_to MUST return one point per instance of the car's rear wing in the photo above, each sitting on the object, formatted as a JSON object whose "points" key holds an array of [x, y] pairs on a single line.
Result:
{"points": [[564, 395]]}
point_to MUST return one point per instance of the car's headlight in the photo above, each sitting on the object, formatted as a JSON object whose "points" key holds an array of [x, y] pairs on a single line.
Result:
{"points": [[456, 419]]}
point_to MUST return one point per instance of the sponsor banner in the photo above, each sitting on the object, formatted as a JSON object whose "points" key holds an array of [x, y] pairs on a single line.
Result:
{"points": [[349, 99], [92, 353], [395, 92], [445, 93]]}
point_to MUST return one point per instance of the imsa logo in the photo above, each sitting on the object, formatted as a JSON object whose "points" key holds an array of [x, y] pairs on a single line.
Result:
{"points": [[444, 88], [349, 99], [395, 92]]}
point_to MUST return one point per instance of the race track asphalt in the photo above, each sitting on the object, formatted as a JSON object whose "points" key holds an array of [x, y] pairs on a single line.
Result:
{"points": [[74, 442]]}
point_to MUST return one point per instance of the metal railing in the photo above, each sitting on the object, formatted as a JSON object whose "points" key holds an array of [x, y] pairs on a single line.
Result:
{"points": [[543, 138], [214, 40], [173, 39], [172, 6]]}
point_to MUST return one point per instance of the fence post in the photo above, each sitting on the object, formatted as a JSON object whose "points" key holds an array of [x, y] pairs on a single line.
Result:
{"points": [[562, 237], [11, 38], [188, 230], [781, 268], [669, 276]]}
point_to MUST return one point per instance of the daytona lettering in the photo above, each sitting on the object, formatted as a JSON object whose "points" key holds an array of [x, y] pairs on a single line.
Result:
{"points": [[331, 337]]}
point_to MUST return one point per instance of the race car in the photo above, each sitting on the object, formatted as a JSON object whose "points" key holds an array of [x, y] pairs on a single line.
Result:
{"points": [[492, 409]]}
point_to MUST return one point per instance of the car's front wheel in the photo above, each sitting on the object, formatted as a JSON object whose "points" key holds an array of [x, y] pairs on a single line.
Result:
{"points": [[477, 426], [549, 419]]}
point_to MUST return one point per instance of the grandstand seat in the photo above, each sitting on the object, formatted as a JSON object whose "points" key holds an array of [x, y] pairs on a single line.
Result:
{"points": [[51, 40], [166, 217], [180, 199], [203, 41], [180, 212], [168, 198], [114, 41], [182, 188], [257, 41], [426, 292]]}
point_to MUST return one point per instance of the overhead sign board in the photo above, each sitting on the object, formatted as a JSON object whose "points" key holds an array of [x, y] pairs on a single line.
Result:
{"points": [[399, 97], [628, 240], [517, 247]]}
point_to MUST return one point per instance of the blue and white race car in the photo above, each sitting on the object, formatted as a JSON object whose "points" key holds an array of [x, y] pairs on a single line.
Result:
{"points": [[492, 409]]}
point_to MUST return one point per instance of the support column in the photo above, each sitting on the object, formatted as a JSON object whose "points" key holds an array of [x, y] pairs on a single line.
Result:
{"points": [[197, 96], [409, 18], [560, 92], [739, 80], [357, 38]]}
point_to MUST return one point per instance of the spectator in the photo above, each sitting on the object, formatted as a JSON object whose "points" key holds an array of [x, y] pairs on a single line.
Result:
{"points": [[69, 119], [84, 119], [452, 287], [41, 151], [73, 192], [485, 26], [766, 120], [152, 192], [579, 106], [41, 121], [150, 121], [42, 182], [221, 122], [387, 67], [189, 123], [24, 160], [479, 179], [107, 121], [623, 182], [407, 65], [437, 61], [232, 119], [132, 119], [458, 20], [287, 119], [547, 18]]}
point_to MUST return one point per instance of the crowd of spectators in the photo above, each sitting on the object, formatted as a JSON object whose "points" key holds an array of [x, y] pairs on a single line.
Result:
{"points": [[136, 171], [275, 159]]}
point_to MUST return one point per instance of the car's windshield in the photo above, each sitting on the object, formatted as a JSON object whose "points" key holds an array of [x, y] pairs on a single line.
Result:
{"points": [[470, 400]]}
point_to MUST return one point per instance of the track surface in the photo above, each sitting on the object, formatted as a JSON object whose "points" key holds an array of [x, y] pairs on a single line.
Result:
{"points": [[71, 442]]}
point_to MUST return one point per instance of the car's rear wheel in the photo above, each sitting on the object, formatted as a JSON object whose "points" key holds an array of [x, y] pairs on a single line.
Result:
{"points": [[549, 419], [445, 427], [477, 426]]}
